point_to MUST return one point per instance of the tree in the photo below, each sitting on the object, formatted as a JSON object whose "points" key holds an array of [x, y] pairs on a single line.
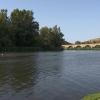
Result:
{"points": [[57, 36], [25, 30], [20, 30], [77, 42], [52, 37], [4, 29], [44, 36]]}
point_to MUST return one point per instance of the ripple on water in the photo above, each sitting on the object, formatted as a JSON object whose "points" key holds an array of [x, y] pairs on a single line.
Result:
{"points": [[66, 75]]}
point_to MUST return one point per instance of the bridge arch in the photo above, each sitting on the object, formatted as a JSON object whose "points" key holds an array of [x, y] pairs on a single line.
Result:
{"points": [[88, 47], [97, 46], [78, 47], [70, 48], [81, 46]]}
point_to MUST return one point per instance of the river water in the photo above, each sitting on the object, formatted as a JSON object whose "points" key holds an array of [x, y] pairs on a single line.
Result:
{"points": [[64, 75]]}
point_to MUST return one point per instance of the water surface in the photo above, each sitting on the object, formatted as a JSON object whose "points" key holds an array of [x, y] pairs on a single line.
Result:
{"points": [[64, 75]]}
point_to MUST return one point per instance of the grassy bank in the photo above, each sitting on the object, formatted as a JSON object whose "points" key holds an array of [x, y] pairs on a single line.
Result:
{"points": [[92, 97], [29, 49]]}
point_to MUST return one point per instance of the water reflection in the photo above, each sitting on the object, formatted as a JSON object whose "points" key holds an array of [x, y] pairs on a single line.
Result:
{"points": [[66, 75], [17, 73], [48, 64]]}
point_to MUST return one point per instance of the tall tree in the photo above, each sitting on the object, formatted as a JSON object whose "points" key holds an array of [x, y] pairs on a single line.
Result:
{"points": [[57, 36], [25, 30], [4, 29], [51, 36], [44, 36]]}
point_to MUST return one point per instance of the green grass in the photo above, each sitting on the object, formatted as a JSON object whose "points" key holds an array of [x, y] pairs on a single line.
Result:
{"points": [[92, 97], [96, 48]]}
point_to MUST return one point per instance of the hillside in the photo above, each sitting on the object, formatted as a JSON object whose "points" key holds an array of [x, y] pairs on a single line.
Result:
{"points": [[96, 40]]}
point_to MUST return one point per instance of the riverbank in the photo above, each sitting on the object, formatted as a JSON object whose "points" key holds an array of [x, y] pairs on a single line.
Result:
{"points": [[92, 97], [29, 49]]}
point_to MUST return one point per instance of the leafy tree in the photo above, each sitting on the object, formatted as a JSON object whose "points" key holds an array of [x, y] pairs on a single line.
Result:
{"points": [[52, 37], [57, 36], [25, 30], [4, 29], [77, 42], [20, 30], [44, 36]]}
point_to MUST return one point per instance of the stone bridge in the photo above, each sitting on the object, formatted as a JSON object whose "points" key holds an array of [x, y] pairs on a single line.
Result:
{"points": [[81, 45]]}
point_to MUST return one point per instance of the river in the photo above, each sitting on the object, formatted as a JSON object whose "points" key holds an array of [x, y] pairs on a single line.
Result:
{"points": [[63, 75]]}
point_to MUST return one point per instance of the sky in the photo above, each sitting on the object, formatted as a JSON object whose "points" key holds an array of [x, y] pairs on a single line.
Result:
{"points": [[79, 20]]}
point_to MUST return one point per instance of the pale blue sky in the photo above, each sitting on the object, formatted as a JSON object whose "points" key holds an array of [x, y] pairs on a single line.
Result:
{"points": [[78, 19]]}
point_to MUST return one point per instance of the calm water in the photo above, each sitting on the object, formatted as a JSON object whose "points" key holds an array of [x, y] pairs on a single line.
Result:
{"points": [[65, 75]]}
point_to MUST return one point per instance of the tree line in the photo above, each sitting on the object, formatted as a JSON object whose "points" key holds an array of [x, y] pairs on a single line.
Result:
{"points": [[86, 42], [20, 30]]}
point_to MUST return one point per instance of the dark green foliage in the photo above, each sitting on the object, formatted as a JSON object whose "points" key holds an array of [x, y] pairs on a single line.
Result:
{"points": [[4, 29], [77, 42], [20, 32], [24, 30], [21, 49], [29, 49], [51, 37]]}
